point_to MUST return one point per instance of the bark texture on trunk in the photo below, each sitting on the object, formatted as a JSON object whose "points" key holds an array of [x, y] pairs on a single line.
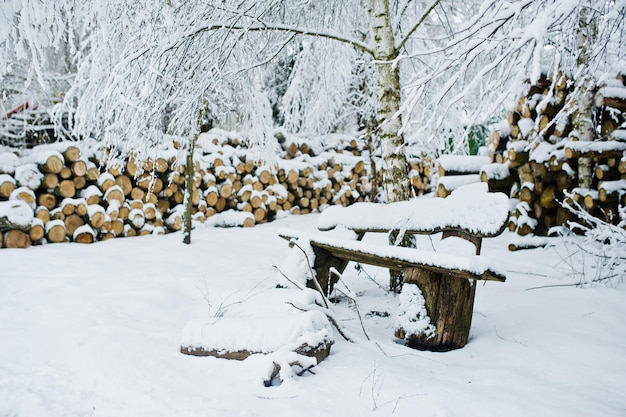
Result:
{"points": [[395, 167], [449, 303], [583, 121], [189, 186]]}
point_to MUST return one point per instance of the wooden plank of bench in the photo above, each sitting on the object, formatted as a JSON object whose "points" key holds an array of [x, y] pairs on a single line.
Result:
{"points": [[400, 258]]}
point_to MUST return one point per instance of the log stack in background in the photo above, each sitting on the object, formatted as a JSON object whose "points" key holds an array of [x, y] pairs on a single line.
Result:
{"points": [[537, 143], [79, 192]]}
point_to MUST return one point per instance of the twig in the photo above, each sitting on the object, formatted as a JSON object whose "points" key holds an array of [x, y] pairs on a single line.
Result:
{"points": [[286, 277], [408, 354], [292, 243], [362, 270], [330, 318], [356, 307]]}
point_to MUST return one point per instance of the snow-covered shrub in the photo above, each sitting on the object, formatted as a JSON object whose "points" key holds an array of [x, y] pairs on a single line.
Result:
{"points": [[412, 317], [598, 256]]}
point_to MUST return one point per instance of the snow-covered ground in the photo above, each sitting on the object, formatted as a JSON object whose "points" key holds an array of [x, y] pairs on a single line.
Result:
{"points": [[95, 330]]}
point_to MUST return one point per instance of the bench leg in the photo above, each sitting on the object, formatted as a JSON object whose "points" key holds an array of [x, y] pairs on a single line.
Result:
{"points": [[449, 303], [324, 262]]}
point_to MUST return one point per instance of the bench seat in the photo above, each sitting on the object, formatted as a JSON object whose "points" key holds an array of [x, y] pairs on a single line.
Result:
{"points": [[470, 209], [401, 258]]}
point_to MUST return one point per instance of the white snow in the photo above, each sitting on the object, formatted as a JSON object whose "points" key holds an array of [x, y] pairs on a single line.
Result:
{"points": [[259, 334], [470, 207], [526, 126], [453, 182], [619, 135], [496, 171], [467, 164], [412, 316], [28, 175], [229, 218], [613, 186], [17, 212], [595, 146], [82, 230], [614, 92], [8, 162], [94, 330]]}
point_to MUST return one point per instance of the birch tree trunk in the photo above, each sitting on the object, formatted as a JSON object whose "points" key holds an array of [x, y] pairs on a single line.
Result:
{"points": [[189, 177], [583, 121], [189, 186], [395, 167]]}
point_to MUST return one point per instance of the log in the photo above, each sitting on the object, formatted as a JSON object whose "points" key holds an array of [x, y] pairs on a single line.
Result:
{"points": [[547, 199], [226, 189], [72, 222], [50, 181], [114, 193], [16, 239], [47, 200], [79, 182], [106, 181], [125, 184], [117, 227], [137, 193], [449, 303], [65, 173], [610, 191], [79, 168], [84, 234], [66, 189], [55, 231], [53, 164], [37, 231], [43, 214], [24, 194], [136, 218], [7, 185], [260, 215], [71, 154], [96, 215], [93, 173]]}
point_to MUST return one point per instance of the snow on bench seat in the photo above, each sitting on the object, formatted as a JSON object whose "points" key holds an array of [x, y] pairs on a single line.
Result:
{"points": [[400, 258], [471, 208]]}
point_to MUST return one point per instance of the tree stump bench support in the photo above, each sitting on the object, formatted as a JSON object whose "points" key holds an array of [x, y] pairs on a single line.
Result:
{"points": [[447, 281]]}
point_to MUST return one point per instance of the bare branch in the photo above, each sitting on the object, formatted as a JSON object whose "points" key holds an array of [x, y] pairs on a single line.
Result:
{"points": [[417, 25]]}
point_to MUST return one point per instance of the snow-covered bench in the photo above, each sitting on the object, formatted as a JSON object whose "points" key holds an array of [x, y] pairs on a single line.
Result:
{"points": [[445, 276]]}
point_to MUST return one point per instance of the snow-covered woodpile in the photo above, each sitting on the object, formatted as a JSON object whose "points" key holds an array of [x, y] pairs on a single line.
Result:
{"points": [[538, 148], [61, 192]]}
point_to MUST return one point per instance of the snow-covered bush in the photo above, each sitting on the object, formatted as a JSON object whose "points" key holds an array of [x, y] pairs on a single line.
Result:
{"points": [[412, 318], [596, 257]]}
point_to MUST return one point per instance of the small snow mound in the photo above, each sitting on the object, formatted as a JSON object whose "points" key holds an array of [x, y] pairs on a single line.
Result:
{"points": [[412, 318]]}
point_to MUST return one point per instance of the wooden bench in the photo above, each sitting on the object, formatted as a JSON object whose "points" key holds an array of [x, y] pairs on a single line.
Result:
{"points": [[446, 280]]}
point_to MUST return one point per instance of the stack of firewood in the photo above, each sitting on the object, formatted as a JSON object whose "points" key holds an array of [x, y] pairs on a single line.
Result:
{"points": [[540, 147], [80, 193]]}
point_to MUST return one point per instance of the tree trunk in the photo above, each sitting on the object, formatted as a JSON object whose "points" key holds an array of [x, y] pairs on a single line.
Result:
{"points": [[449, 304], [189, 186], [396, 183], [583, 121], [395, 172]]}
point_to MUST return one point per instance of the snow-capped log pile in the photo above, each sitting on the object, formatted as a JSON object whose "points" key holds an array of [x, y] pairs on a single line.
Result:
{"points": [[540, 146], [294, 147], [72, 197]]}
